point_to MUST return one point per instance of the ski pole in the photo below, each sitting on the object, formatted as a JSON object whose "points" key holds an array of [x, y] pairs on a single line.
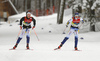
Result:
{"points": [[80, 25], [19, 33], [64, 30], [36, 35]]}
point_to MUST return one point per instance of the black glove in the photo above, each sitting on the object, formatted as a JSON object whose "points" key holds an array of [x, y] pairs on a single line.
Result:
{"points": [[66, 25]]}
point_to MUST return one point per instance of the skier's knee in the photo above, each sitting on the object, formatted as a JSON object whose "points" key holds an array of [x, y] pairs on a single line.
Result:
{"points": [[65, 39], [27, 35], [28, 39], [76, 36], [21, 36]]}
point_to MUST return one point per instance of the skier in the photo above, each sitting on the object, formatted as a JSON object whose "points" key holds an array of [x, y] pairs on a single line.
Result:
{"points": [[25, 26], [75, 21]]}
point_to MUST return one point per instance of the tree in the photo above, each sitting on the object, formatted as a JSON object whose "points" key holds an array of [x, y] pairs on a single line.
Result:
{"points": [[90, 14], [60, 11]]}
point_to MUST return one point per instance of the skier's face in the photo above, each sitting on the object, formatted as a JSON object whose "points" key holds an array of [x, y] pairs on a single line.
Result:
{"points": [[76, 16], [28, 15]]}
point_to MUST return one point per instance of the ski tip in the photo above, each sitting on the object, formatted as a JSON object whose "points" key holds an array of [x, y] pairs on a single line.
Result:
{"points": [[56, 49], [11, 49], [29, 49], [77, 50], [63, 33]]}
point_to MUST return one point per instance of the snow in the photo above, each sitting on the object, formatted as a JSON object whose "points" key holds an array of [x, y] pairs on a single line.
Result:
{"points": [[88, 6], [95, 4], [75, 6], [97, 26], [84, 1], [43, 49], [84, 4]]}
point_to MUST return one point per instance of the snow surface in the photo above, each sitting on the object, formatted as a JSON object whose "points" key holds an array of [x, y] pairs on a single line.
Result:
{"points": [[43, 49]]}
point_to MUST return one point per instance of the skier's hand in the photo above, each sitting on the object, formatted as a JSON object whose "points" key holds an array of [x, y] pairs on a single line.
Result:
{"points": [[33, 27], [66, 25], [20, 27]]}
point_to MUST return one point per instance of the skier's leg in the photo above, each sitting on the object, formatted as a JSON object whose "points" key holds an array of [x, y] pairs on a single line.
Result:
{"points": [[66, 38], [28, 38], [19, 38], [76, 39]]}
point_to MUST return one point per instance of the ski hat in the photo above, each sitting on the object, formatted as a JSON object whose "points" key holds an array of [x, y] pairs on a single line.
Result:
{"points": [[28, 12], [76, 14]]}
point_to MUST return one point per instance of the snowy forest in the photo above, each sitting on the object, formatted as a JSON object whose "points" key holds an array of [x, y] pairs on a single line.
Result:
{"points": [[87, 9]]}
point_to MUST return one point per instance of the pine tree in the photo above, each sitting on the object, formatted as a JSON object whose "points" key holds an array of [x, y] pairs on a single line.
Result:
{"points": [[60, 11]]}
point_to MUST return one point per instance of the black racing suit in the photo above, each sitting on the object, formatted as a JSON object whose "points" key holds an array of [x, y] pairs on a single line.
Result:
{"points": [[27, 22]]}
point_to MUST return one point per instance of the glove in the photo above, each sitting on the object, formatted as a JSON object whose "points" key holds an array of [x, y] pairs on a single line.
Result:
{"points": [[33, 27], [66, 25], [20, 27]]}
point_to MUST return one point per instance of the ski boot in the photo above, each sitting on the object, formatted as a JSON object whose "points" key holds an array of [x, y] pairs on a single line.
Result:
{"points": [[27, 47], [14, 47], [76, 48], [59, 47]]}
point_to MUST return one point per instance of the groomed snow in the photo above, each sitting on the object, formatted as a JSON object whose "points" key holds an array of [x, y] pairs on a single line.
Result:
{"points": [[43, 49]]}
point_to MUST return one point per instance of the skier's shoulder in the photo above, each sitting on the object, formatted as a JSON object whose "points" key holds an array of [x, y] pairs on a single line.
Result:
{"points": [[81, 18], [33, 19], [73, 17], [22, 18]]}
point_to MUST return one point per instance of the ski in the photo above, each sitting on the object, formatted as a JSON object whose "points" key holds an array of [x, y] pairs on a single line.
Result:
{"points": [[29, 49], [77, 50], [12, 49], [25, 49], [56, 49]]}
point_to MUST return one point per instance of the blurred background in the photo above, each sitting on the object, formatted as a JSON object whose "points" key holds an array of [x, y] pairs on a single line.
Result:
{"points": [[87, 9]]}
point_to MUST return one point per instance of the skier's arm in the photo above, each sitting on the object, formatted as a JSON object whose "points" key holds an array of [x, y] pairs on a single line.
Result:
{"points": [[21, 20], [34, 22], [82, 20], [69, 21]]}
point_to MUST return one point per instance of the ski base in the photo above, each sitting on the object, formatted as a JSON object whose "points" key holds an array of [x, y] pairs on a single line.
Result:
{"points": [[77, 50], [25, 49], [73, 50], [29, 49], [12, 49], [56, 49]]}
